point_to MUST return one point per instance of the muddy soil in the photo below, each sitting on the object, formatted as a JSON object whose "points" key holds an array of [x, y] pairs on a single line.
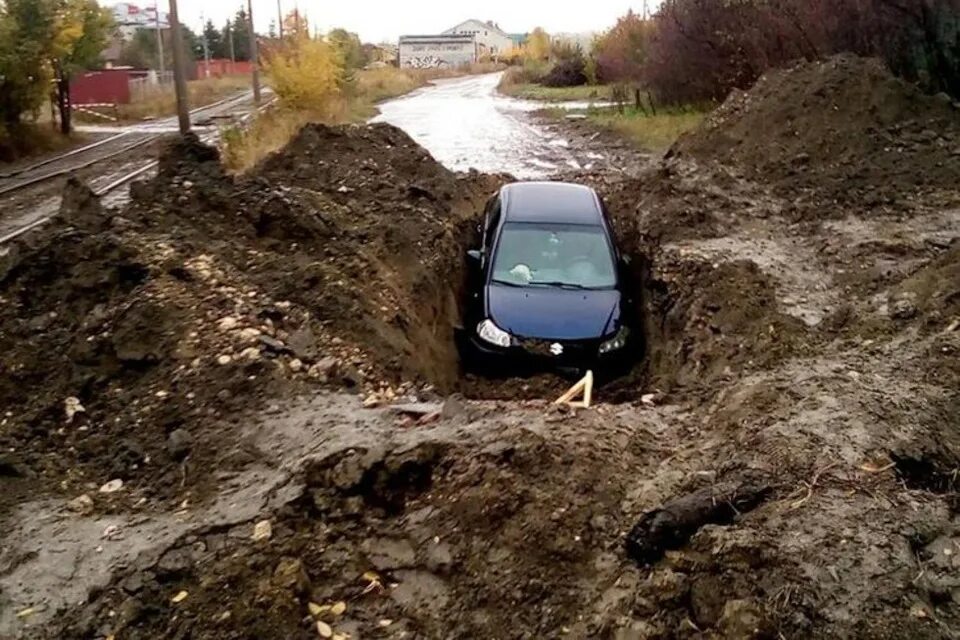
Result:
{"points": [[781, 465]]}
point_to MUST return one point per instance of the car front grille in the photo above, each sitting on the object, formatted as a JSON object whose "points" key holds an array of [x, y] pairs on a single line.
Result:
{"points": [[562, 351]]}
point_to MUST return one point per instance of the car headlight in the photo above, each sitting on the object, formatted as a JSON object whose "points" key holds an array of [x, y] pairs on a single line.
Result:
{"points": [[618, 341], [493, 334]]}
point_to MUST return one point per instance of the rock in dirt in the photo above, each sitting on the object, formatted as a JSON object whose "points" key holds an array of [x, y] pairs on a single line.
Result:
{"points": [[744, 619], [390, 553], [673, 524], [112, 487], [179, 443], [303, 344], [82, 504], [453, 406], [263, 530]]}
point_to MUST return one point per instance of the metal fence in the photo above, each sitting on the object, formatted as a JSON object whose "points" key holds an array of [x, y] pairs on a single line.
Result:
{"points": [[151, 84]]}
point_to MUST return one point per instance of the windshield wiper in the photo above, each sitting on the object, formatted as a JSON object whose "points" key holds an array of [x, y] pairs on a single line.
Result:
{"points": [[506, 282], [557, 283]]}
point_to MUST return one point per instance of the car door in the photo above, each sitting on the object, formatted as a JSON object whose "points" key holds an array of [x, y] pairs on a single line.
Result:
{"points": [[490, 224], [476, 303]]}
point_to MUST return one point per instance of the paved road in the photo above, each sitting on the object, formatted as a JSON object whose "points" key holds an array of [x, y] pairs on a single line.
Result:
{"points": [[465, 123]]}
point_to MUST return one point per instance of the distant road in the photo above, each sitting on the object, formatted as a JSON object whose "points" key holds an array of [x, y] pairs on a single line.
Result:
{"points": [[465, 123]]}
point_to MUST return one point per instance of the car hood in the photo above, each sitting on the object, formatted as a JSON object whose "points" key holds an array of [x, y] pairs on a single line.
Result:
{"points": [[552, 313]]}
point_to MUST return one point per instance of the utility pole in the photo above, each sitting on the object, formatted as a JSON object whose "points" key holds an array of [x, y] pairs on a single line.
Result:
{"points": [[156, 6], [233, 53], [206, 49], [280, 18], [254, 57], [179, 76]]}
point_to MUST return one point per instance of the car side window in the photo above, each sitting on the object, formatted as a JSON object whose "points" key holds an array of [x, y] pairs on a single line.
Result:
{"points": [[492, 220]]}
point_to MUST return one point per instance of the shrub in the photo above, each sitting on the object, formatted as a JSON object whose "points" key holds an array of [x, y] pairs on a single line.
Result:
{"points": [[566, 73], [697, 50], [306, 73]]}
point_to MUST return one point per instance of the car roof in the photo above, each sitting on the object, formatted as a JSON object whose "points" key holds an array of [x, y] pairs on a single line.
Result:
{"points": [[561, 202]]}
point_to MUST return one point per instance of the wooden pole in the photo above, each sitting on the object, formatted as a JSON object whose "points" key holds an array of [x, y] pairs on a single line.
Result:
{"points": [[254, 57], [179, 74], [280, 19], [162, 64]]}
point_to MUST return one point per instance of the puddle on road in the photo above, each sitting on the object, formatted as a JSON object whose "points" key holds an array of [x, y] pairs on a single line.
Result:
{"points": [[465, 124]]}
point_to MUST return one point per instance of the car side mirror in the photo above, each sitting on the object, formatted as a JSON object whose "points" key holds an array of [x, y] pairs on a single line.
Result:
{"points": [[475, 255]]}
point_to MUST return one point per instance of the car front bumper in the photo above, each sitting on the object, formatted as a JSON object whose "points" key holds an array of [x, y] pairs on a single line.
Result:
{"points": [[535, 356]]}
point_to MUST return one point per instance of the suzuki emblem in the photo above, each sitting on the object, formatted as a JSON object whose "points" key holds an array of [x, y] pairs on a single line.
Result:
{"points": [[556, 348]]}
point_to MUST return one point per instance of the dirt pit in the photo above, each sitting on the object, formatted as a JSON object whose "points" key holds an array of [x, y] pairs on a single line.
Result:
{"points": [[337, 263], [784, 467]]}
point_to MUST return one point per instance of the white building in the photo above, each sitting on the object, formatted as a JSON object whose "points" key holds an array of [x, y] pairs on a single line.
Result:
{"points": [[491, 39], [460, 45], [440, 51], [129, 17]]}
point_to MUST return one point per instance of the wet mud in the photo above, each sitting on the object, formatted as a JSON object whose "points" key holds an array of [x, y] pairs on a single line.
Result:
{"points": [[267, 364]]}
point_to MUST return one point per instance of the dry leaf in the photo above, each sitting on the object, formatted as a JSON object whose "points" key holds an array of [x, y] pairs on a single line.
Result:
{"points": [[317, 609], [324, 629], [180, 597], [338, 608], [370, 576], [341, 636], [386, 622], [25, 612]]}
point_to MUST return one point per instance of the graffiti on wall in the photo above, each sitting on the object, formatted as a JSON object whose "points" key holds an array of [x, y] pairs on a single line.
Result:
{"points": [[427, 62]]}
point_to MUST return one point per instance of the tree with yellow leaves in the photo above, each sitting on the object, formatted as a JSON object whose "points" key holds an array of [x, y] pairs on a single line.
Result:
{"points": [[44, 40], [295, 25], [306, 73], [538, 45]]}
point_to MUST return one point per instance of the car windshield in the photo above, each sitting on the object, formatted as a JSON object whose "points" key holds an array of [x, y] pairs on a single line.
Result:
{"points": [[559, 255]]}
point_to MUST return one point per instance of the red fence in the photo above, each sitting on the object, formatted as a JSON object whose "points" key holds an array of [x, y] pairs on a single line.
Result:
{"points": [[222, 67], [98, 87]]}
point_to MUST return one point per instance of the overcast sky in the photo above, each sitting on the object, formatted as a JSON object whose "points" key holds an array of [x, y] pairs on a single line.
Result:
{"points": [[378, 20]]}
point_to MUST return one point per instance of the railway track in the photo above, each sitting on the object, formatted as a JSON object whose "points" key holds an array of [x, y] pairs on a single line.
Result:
{"points": [[112, 147]]}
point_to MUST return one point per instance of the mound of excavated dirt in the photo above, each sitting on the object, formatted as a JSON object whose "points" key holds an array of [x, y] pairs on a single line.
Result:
{"points": [[143, 335], [844, 127]]}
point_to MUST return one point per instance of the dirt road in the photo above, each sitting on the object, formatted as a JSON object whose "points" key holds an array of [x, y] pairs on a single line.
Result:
{"points": [[466, 124], [246, 417]]}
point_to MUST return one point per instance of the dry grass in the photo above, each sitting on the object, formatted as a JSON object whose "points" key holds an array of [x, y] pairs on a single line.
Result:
{"points": [[651, 132], [32, 139], [533, 91], [161, 101]]}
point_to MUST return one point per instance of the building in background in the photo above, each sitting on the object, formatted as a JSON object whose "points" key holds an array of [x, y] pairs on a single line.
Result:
{"points": [[130, 17], [439, 51], [490, 38], [465, 43], [519, 39]]}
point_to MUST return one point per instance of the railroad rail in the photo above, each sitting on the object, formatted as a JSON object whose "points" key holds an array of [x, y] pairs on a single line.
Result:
{"points": [[116, 183], [99, 151]]}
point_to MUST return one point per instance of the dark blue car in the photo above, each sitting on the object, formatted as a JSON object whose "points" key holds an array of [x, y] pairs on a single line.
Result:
{"points": [[547, 286]]}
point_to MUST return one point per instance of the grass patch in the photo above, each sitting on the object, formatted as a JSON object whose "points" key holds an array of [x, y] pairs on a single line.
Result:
{"points": [[158, 102], [651, 132], [533, 91]]}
